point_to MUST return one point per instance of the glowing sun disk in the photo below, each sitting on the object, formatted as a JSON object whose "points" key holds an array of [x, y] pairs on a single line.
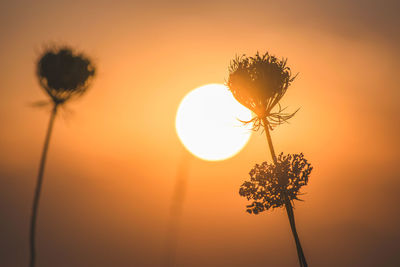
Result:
{"points": [[207, 123]]}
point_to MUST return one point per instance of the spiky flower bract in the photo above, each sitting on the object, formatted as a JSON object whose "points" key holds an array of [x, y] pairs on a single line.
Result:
{"points": [[271, 185], [64, 74], [259, 83]]}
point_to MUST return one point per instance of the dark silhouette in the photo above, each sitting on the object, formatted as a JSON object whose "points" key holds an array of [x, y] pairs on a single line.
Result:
{"points": [[277, 185], [271, 185], [63, 75], [178, 198], [259, 83]]}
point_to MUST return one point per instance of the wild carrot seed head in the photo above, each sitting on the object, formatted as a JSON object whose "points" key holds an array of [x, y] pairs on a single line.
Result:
{"points": [[271, 184], [259, 83], [64, 74]]}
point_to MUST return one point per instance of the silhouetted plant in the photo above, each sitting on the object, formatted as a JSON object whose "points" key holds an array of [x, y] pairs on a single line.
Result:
{"points": [[271, 185], [259, 83], [63, 75]]}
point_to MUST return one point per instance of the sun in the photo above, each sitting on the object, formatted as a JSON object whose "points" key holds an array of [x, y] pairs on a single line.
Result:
{"points": [[208, 123]]}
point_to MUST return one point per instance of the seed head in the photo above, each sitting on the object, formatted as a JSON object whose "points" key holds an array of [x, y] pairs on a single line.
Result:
{"points": [[271, 184], [64, 74], [259, 83]]}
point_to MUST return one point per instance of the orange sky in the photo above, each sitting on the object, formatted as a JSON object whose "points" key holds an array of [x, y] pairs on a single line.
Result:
{"points": [[114, 153]]}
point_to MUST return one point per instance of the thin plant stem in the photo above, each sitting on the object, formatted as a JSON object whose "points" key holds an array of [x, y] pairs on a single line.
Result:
{"points": [[288, 204], [178, 198], [300, 253], [35, 206], [269, 139]]}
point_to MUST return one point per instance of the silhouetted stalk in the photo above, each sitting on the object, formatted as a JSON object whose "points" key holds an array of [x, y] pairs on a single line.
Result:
{"points": [[288, 204], [269, 139], [178, 198], [289, 210], [64, 75], [35, 207]]}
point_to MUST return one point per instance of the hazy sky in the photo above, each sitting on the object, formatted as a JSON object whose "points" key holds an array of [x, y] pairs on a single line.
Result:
{"points": [[114, 154]]}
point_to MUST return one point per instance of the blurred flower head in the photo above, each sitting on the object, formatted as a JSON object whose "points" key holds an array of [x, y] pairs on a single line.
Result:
{"points": [[271, 184], [259, 83], [64, 74]]}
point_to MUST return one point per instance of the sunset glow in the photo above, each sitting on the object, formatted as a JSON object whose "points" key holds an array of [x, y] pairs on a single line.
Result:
{"points": [[150, 161], [207, 123]]}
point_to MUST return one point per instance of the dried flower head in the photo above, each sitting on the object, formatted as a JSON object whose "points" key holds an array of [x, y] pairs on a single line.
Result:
{"points": [[259, 83], [64, 74], [271, 185]]}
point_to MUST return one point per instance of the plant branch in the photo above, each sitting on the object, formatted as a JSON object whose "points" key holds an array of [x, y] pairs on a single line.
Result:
{"points": [[288, 204], [271, 146], [289, 210], [35, 206]]}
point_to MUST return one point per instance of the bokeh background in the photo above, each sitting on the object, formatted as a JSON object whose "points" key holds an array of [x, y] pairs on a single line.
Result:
{"points": [[114, 155]]}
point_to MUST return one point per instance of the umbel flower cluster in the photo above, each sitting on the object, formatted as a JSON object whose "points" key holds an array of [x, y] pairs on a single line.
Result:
{"points": [[64, 74], [272, 185], [259, 83]]}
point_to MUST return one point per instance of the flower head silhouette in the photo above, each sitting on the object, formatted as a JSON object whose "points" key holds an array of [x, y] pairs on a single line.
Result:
{"points": [[271, 185], [259, 83], [64, 74]]}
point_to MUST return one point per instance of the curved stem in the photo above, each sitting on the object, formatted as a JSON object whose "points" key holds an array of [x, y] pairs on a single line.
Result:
{"points": [[35, 206], [288, 204]]}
